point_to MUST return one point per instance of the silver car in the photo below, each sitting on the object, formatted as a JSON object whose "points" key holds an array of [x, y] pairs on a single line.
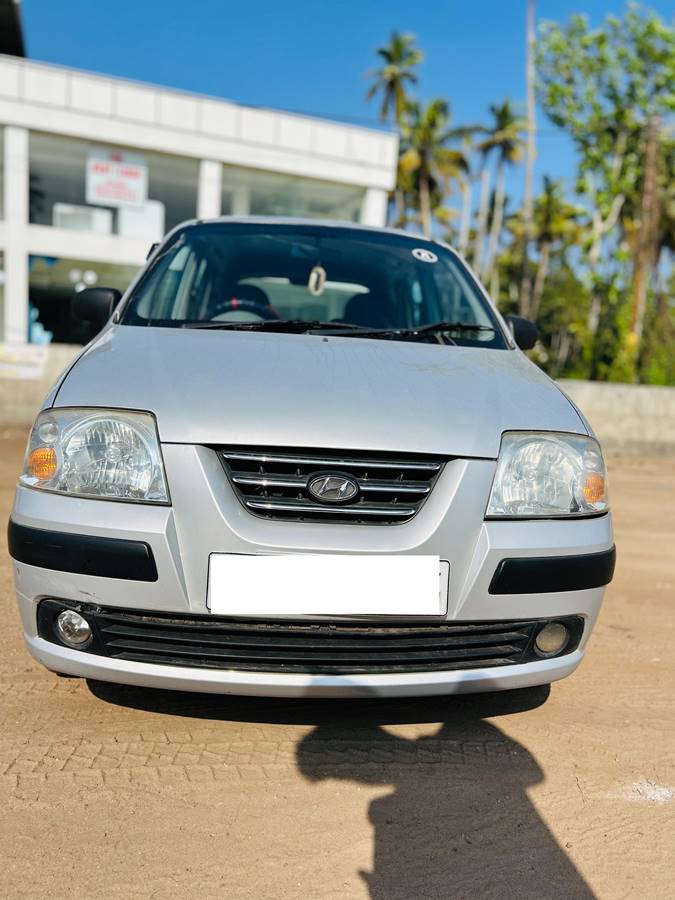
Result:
{"points": [[308, 458]]}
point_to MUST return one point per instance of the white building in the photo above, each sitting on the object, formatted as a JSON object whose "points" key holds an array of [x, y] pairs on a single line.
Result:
{"points": [[94, 169]]}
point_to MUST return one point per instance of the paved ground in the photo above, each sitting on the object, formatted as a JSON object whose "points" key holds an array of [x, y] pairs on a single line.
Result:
{"points": [[114, 792]]}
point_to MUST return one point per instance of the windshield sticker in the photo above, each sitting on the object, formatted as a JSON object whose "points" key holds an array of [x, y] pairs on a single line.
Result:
{"points": [[424, 255]]}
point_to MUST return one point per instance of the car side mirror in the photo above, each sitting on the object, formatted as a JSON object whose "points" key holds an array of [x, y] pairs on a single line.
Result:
{"points": [[96, 304], [525, 333]]}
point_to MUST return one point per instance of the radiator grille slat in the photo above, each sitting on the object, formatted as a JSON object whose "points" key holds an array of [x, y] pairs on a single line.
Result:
{"points": [[274, 483], [305, 656], [287, 639]]}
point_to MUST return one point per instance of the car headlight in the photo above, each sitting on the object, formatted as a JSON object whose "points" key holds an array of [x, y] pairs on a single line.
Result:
{"points": [[548, 475], [109, 454]]}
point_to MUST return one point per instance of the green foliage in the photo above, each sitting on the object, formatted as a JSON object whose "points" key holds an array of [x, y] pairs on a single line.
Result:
{"points": [[562, 320], [555, 219], [400, 58], [603, 86], [608, 88], [504, 135], [657, 359], [425, 134]]}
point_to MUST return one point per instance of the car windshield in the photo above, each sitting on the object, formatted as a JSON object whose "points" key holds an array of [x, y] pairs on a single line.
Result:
{"points": [[233, 275]]}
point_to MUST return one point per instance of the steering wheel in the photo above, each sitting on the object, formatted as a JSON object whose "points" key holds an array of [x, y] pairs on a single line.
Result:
{"points": [[256, 307]]}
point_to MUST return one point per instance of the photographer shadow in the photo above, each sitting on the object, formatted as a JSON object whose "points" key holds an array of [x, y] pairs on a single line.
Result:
{"points": [[458, 821]]}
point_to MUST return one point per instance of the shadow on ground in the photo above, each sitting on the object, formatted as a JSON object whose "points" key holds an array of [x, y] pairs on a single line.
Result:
{"points": [[457, 821]]}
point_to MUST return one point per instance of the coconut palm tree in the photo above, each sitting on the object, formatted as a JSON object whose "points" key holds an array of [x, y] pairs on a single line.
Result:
{"points": [[530, 153], [483, 206], [505, 139], [466, 184], [427, 162], [557, 223], [399, 58]]}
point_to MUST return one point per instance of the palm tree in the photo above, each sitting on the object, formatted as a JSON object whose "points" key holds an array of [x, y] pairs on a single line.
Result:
{"points": [[426, 160], [399, 57], [556, 222], [466, 184], [505, 139], [483, 208], [530, 153]]}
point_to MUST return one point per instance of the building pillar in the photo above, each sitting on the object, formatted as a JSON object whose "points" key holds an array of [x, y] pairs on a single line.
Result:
{"points": [[241, 200], [374, 207], [16, 225], [209, 190]]}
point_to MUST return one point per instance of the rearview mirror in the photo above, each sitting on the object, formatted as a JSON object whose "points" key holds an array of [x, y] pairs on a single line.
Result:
{"points": [[96, 304], [525, 333]]}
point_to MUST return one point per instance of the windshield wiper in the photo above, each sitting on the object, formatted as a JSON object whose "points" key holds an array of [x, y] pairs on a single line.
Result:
{"points": [[438, 330], [435, 328], [295, 326]]}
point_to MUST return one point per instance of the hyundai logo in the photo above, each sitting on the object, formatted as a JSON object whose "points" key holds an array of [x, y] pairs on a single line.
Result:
{"points": [[333, 488]]}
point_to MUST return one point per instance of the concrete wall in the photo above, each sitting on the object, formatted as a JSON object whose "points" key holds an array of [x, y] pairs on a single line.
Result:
{"points": [[21, 398], [627, 418]]}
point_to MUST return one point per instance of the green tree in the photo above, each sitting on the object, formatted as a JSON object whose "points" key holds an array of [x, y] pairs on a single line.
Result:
{"points": [[504, 137], [427, 163], [557, 225], [604, 87], [400, 57], [530, 154], [483, 206]]}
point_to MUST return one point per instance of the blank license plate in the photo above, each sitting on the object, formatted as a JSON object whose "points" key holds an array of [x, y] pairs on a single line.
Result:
{"points": [[327, 584]]}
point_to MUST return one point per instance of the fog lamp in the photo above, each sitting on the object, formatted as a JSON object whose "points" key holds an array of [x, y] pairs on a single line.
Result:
{"points": [[551, 639], [73, 629]]}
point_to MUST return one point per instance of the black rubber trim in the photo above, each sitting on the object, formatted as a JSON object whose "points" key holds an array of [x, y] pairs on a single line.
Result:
{"points": [[82, 554], [550, 574]]}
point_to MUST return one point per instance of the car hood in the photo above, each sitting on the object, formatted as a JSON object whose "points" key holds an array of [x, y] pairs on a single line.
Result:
{"points": [[287, 390]]}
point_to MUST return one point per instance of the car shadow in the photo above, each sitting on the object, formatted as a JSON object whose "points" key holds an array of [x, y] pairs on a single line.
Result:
{"points": [[456, 821], [308, 711]]}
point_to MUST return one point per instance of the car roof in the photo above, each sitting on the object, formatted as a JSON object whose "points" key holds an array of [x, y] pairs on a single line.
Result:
{"points": [[305, 222]]}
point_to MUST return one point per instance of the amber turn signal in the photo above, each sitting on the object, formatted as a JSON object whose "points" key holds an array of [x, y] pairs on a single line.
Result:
{"points": [[594, 487], [42, 463]]}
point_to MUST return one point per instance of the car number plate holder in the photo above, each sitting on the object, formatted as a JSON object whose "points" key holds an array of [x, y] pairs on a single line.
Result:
{"points": [[327, 584]]}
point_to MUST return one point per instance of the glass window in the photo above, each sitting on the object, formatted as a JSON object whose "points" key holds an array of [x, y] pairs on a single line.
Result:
{"points": [[217, 274], [109, 190], [51, 285], [270, 194]]}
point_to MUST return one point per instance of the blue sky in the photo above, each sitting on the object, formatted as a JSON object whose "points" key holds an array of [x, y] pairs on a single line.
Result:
{"points": [[310, 55]]}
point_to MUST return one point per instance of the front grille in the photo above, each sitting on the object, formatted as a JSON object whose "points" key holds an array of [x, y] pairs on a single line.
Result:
{"points": [[302, 647], [274, 484]]}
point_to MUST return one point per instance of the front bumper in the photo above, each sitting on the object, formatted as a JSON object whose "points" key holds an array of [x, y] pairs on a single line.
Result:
{"points": [[206, 517], [266, 684]]}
